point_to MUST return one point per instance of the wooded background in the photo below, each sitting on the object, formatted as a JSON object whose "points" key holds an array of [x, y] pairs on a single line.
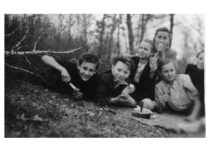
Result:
{"points": [[34, 109], [106, 35]]}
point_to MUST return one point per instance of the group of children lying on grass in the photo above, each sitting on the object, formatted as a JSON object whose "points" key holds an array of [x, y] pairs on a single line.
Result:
{"points": [[149, 79]]}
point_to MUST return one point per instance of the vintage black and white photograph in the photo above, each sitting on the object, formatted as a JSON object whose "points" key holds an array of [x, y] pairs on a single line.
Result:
{"points": [[104, 75]]}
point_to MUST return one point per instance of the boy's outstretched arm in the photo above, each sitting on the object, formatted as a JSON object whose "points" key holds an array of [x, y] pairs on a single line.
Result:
{"points": [[53, 63], [120, 100]]}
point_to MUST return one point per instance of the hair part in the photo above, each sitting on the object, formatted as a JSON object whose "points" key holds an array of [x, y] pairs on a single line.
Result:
{"points": [[88, 57]]}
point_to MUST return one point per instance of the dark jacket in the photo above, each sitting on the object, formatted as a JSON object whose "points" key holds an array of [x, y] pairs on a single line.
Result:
{"points": [[88, 88], [146, 85], [108, 88], [197, 77]]}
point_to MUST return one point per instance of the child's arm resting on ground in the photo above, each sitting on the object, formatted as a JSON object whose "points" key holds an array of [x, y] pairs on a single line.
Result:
{"points": [[53, 63]]}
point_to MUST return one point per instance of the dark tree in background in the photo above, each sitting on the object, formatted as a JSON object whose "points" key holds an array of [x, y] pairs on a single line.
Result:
{"points": [[130, 33], [106, 35], [171, 25]]}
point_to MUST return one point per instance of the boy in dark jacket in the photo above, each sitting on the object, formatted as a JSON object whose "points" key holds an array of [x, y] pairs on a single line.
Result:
{"points": [[114, 87], [79, 80]]}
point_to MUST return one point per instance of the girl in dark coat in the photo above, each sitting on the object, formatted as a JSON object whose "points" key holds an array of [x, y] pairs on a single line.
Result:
{"points": [[196, 73]]}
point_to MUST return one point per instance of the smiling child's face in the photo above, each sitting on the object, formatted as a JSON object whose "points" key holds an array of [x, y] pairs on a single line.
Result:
{"points": [[168, 72], [145, 50], [120, 71], [86, 70]]}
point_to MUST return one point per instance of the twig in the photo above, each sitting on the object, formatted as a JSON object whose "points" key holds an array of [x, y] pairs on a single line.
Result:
{"points": [[18, 44], [27, 59], [35, 44], [8, 35]]}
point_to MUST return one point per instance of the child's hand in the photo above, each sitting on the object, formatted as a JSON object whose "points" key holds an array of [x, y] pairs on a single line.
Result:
{"points": [[65, 75], [77, 95], [119, 98], [164, 98], [153, 63], [127, 91], [160, 46], [123, 97]]}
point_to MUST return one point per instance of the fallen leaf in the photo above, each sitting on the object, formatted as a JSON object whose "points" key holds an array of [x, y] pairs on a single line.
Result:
{"points": [[90, 113], [37, 118]]}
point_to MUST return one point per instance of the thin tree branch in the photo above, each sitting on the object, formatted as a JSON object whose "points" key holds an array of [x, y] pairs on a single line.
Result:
{"points": [[35, 44], [27, 59], [8, 35], [39, 52], [18, 44]]}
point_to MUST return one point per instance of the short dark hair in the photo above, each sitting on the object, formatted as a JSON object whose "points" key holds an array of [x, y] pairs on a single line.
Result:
{"points": [[124, 59], [165, 62], [163, 29], [88, 57]]}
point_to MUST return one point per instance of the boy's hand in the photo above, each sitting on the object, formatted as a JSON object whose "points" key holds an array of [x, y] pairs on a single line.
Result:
{"points": [[123, 97], [77, 95], [65, 75], [127, 91], [119, 98], [164, 98]]}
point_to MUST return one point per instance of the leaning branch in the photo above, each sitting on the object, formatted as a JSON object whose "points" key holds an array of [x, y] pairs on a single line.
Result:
{"points": [[40, 52], [10, 34], [19, 43]]}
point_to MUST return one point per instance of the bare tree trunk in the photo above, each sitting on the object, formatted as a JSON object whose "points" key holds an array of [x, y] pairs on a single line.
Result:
{"points": [[111, 37], [85, 25], [171, 26], [118, 34], [70, 24], [142, 28], [145, 19], [130, 33], [101, 25]]}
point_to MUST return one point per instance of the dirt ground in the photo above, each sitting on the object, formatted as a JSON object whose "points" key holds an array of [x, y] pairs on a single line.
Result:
{"points": [[34, 111]]}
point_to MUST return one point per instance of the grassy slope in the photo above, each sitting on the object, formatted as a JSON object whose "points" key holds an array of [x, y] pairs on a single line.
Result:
{"points": [[59, 116], [34, 111]]}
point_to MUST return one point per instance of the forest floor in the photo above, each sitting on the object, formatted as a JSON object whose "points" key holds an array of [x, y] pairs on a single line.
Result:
{"points": [[34, 111]]}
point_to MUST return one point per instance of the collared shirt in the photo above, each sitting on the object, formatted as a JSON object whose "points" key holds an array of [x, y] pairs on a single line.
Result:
{"points": [[179, 95], [139, 72]]}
